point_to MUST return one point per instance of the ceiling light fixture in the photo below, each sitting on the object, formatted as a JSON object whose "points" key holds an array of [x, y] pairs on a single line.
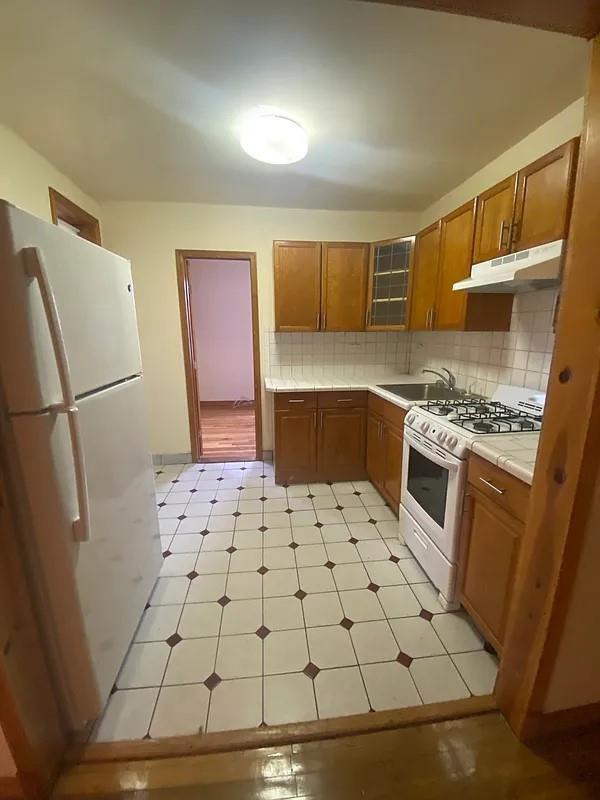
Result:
{"points": [[274, 139]]}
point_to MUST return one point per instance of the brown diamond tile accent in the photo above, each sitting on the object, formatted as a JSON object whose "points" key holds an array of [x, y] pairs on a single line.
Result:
{"points": [[261, 476], [231, 549], [329, 564], [237, 514], [175, 481], [356, 493], [289, 510], [373, 587], [293, 545], [263, 499], [352, 540], [426, 614], [311, 496], [318, 524], [173, 640], [146, 736], [181, 517], [300, 594], [222, 601], [212, 681], [166, 553], [193, 574], [242, 469], [263, 528], [372, 521], [395, 559], [205, 532], [193, 491], [346, 623], [262, 632], [161, 505], [159, 472], [404, 659], [212, 502], [240, 488], [220, 479], [262, 570], [340, 508], [263, 724], [311, 670]]}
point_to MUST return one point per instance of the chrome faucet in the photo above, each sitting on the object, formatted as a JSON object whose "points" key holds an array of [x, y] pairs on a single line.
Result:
{"points": [[449, 381]]}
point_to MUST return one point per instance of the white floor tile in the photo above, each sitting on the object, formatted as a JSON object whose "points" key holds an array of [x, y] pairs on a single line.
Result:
{"points": [[207, 587], [245, 560], [325, 501], [177, 564], [180, 711], [236, 704], [381, 513], [340, 692], [248, 540], [335, 533], [244, 585], [168, 526], [273, 491], [385, 573], [218, 524], [306, 535], [347, 501], [127, 715], [363, 486], [361, 605], [194, 524], [322, 609], [350, 576], [388, 529], [144, 665], [398, 601], [478, 670], [390, 685], [457, 632], [342, 553], [172, 511], [165, 541], [191, 661], [427, 595], [285, 651], [279, 558], [316, 579], [241, 616], [372, 499], [239, 656], [277, 504], [277, 519], [249, 506], [158, 623], [298, 490], [282, 613], [412, 571], [169, 591], [227, 507], [343, 487], [289, 698], [186, 543], [330, 646], [437, 679], [373, 550], [199, 508], [373, 641], [200, 619], [277, 537], [212, 563], [354, 515], [399, 550], [310, 555], [300, 503], [416, 637], [319, 489], [216, 541], [330, 516], [303, 519], [363, 530]]}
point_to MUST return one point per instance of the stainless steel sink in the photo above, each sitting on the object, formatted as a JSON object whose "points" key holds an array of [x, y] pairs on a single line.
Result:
{"points": [[422, 391]]}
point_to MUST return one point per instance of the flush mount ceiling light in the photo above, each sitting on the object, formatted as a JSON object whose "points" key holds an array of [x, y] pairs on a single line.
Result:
{"points": [[274, 139]]}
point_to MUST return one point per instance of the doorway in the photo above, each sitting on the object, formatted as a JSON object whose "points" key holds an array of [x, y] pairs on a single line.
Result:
{"points": [[219, 322]]}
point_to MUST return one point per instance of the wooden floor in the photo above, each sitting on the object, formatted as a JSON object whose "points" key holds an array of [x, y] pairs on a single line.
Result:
{"points": [[477, 758], [228, 434]]}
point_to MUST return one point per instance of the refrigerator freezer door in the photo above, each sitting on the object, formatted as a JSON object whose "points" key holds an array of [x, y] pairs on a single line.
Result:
{"points": [[93, 292], [92, 594]]}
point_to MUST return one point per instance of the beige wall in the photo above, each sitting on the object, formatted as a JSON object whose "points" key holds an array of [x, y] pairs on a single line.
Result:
{"points": [[564, 126], [25, 177], [149, 234]]}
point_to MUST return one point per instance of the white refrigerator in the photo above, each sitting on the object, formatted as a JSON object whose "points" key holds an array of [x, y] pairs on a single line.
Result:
{"points": [[76, 446]]}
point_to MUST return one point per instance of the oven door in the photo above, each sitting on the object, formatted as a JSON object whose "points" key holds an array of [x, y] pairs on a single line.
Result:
{"points": [[432, 490]]}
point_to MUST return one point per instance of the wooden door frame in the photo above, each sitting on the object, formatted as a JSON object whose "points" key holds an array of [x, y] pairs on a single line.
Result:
{"points": [[191, 379]]}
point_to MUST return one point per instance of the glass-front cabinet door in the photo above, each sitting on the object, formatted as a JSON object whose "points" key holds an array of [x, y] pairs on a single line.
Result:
{"points": [[389, 284]]}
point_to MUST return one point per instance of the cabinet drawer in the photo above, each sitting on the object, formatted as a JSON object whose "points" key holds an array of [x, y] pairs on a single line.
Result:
{"points": [[341, 399], [390, 412], [285, 400], [505, 490]]}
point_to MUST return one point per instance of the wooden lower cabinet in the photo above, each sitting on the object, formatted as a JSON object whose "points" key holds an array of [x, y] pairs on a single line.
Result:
{"points": [[375, 449], [393, 442], [384, 449], [341, 444], [489, 553], [295, 445]]}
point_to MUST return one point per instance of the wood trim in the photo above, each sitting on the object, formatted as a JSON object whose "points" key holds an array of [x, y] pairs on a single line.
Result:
{"points": [[568, 462], [225, 403], [369, 326], [271, 736], [193, 395], [68, 211], [576, 17], [566, 719], [11, 789]]}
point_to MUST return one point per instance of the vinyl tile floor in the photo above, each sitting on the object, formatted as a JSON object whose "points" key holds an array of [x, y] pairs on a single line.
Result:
{"points": [[279, 605]]}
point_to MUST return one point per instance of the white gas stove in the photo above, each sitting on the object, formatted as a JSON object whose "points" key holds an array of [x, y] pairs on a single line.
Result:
{"points": [[437, 439]]}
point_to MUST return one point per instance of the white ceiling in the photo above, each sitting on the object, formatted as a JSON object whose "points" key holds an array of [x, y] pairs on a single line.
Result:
{"points": [[142, 99]]}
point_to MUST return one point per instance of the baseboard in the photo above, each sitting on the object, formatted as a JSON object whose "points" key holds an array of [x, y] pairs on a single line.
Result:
{"points": [[226, 404], [160, 459], [567, 719]]}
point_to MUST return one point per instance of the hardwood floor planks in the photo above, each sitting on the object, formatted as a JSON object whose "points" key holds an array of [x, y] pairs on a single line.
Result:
{"points": [[228, 434]]}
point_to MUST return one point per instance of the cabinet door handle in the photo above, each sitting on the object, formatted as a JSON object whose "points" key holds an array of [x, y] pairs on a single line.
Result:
{"points": [[315, 420], [433, 312], [321, 420], [514, 232], [491, 486], [295, 401], [324, 324], [367, 317], [318, 320], [344, 400], [504, 226], [427, 319]]}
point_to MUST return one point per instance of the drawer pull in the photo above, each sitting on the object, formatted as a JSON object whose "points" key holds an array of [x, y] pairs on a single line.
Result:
{"points": [[491, 485], [295, 401], [344, 400]]}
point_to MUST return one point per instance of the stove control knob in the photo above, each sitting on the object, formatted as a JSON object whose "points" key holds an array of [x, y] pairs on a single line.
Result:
{"points": [[452, 441], [441, 436], [410, 419], [424, 426]]}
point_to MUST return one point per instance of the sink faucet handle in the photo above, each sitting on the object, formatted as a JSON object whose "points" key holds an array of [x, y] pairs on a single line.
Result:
{"points": [[451, 377]]}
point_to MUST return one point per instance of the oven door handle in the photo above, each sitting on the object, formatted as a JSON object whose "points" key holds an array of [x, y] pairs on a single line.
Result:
{"points": [[449, 462]]}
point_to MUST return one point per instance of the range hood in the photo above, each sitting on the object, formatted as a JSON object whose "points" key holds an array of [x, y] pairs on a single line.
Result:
{"points": [[536, 268]]}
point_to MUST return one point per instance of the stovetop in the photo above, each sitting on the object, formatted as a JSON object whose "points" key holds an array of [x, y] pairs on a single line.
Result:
{"points": [[481, 416]]}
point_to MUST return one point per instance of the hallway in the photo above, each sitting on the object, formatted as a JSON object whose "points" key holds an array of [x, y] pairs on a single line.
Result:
{"points": [[228, 434]]}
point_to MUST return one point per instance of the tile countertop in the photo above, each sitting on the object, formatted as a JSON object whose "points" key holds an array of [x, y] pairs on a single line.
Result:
{"points": [[514, 454]]}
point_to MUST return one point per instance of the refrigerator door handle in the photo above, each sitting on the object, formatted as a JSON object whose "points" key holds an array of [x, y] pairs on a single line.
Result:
{"points": [[35, 267]]}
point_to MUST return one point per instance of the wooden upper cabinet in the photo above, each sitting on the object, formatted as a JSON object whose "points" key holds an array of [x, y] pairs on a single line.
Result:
{"points": [[389, 284], [544, 197], [297, 285], [456, 250], [345, 269], [425, 277], [493, 218]]}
